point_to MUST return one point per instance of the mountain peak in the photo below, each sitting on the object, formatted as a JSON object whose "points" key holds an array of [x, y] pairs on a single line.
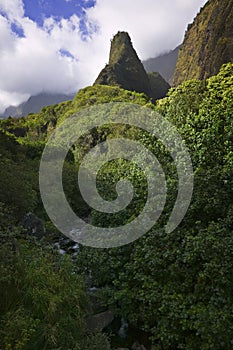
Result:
{"points": [[125, 68], [120, 45]]}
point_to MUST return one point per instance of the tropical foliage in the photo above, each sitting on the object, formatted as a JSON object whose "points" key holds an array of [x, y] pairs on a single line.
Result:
{"points": [[175, 286]]}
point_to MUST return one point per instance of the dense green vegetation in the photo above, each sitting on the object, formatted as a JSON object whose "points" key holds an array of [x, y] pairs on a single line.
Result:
{"points": [[43, 301], [178, 286]]}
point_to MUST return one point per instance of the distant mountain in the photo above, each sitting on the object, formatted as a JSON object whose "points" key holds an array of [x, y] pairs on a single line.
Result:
{"points": [[126, 70], [208, 42], [164, 64], [35, 103]]}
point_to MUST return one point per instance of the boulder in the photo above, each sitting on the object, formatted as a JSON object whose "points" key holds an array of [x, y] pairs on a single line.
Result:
{"points": [[99, 321], [34, 225], [138, 346]]}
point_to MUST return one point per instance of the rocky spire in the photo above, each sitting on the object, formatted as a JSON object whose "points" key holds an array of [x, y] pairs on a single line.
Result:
{"points": [[125, 68]]}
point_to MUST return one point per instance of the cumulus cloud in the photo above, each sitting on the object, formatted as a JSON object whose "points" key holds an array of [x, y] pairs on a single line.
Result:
{"points": [[62, 56], [14, 9], [155, 26], [11, 99]]}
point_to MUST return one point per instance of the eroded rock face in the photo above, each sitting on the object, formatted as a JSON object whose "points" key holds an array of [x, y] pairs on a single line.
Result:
{"points": [[124, 68], [127, 71], [208, 43]]}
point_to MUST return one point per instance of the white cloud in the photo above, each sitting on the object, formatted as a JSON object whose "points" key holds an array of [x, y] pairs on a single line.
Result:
{"points": [[13, 8], [33, 63], [11, 99], [154, 25]]}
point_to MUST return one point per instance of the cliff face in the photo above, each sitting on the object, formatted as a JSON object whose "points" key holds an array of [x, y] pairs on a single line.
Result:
{"points": [[208, 43], [126, 70]]}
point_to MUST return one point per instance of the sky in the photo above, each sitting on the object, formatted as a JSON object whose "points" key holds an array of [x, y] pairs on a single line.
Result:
{"points": [[60, 46]]}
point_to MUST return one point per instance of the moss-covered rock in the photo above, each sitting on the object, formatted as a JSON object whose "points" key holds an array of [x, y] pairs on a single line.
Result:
{"points": [[208, 43], [126, 70]]}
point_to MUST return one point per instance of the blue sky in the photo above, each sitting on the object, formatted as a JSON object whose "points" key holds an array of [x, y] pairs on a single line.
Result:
{"points": [[60, 46], [38, 10]]}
